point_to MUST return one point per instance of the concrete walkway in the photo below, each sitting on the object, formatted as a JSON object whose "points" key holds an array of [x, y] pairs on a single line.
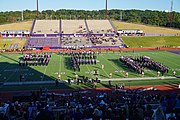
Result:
{"points": [[144, 78], [53, 82]]}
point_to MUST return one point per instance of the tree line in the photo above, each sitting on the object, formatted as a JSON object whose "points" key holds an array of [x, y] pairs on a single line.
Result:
{"points": [[157, 18]]}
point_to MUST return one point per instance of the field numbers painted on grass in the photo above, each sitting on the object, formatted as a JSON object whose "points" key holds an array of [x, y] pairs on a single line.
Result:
{"points": [[121, 71], [62, 73], [28, 74], [15, 70], [87, 72]]}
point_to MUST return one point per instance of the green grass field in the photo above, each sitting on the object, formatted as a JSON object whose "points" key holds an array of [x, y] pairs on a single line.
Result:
{"points": [[10, 71], [152, 41]]}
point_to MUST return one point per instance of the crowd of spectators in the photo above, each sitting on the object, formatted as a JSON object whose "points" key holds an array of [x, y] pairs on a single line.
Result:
{"points": [[86, 105]]}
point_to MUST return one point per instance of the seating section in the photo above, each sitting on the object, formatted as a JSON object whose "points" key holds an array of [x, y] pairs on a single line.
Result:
{"points": [[41, 42], [100, 27], [73, 34], [74, 42], [46, 27], [74, 27]]}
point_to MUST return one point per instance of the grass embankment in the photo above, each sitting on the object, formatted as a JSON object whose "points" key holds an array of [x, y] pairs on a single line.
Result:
{"points": [[146, 28], [153, 41], [17, 26]]}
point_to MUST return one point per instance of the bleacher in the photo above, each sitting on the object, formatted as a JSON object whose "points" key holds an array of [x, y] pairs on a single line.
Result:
{"points": [[74, 42], [73, 34], [41, 42], [100, 27], [74, 27], [92, 105], [46, 27]]}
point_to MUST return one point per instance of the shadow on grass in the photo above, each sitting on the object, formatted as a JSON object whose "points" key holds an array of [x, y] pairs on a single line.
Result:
{"points": [[105, 85], [171, 84], [103, 76], [118, 63], [68, 63], [12, 72], [4, 55]]}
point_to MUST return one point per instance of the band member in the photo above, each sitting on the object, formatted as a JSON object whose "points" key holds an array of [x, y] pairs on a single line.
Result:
{"points": [[142, 74], [77, 77], [126, 74], [158, 73], [174, 73], [102, 66], [59, 76], [110, 75]]}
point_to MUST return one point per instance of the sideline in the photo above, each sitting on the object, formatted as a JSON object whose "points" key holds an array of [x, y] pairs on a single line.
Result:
{"points": [[103, 80]]}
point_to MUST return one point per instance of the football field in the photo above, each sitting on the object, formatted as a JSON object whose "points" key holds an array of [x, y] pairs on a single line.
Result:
{"points": [[10, 70]]}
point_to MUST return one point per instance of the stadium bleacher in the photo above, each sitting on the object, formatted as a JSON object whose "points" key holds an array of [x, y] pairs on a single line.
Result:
{"points": [[74, 27], [73, 34], [85, 104], [46, 27]]}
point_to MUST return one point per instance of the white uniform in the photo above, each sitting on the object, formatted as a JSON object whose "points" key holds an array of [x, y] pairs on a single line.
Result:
{"points": [[127, 74], [59, 77], [174, 73], [110, 75], [76, 77], [158, 73], [102, 66]]}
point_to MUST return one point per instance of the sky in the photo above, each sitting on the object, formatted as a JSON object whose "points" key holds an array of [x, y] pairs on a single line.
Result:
{"points": [[19, 5]]}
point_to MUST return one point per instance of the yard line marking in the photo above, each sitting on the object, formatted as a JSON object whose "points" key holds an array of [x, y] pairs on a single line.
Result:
{"points": [[28, 72], [44, 72], [5, 57], [7, 79], [104, 71], [88, 69], [7, 66], [60, 63], [112, 65], [170, 61], [116, 68]]}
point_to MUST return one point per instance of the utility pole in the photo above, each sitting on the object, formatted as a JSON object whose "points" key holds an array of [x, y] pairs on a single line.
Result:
{"points": [[22, 16], [171, 6], [37, 7], [121, 17], [171, 14], [106, 9]]}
